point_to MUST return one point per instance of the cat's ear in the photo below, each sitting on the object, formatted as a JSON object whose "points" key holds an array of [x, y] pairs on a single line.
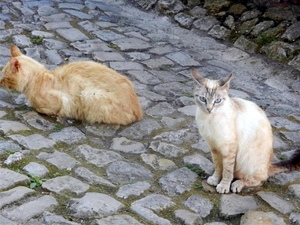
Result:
{"points": [[197, 77], [225, 83], [15, 51], [14, 65]]}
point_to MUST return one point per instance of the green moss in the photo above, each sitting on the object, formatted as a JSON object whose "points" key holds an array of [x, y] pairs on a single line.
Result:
{"points": [[184, 81], [36, 40], [198, 185], [58, 127], [164, 68], [187, 94], [113, 46], [16, 166], [196, 169], [35, 181], [296, 52], [264, 39], [24, 108]]}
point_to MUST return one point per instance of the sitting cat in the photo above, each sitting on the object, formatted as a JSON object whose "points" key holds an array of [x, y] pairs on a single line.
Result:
{"points": [[239, 135], [86, 91]]}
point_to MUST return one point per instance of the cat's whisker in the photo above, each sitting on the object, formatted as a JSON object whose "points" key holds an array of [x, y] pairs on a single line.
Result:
{"points": [[239, 135], [86, 90]]}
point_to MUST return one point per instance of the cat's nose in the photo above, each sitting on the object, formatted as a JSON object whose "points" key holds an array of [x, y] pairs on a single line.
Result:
{"points": [[209, 109]]}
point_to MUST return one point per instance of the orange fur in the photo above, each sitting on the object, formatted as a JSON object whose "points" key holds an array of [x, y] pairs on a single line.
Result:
{"points": [[86, 91]]}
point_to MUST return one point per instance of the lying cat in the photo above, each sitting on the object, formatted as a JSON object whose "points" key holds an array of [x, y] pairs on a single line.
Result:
{"points": [[239, 135], [86, 91]]}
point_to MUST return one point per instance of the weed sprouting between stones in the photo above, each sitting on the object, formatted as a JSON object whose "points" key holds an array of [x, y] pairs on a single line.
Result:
{"points": [[36, 40], [58, 127], [186, 94], [35, 181], [196, 169]]}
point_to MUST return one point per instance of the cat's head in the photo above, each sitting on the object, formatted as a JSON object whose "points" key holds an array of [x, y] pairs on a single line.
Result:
{"points": [[16, 70], [210, 94], [10, 71]]}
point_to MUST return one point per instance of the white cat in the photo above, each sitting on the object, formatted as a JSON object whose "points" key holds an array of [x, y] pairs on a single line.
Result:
{"points": [[239, 135]]}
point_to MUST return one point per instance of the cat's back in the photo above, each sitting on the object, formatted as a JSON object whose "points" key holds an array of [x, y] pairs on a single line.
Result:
{"points": [[250, 117], [247, 107], [87, 69], [97, 93], [88, 75]]}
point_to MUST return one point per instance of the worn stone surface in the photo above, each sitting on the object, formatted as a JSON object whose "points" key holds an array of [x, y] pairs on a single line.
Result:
{"points": [[12, 126], [129, 44], [118, 219], [8, 146], [36, 169], [68, 135], [49, 218], [10, 178], [65, 183], [157, 162], [123, 172], [176, 137], [139, 130], [138, 174], [186, 217], [34, 141], [161, 109], [7, 221], [59, 159], [135, 189], [94, 205], [295, 218], [178, 181], [35, 120], [276, 202], [17, 156], [166, 149], [92, 178], [233, 205], [285, 178], [184, 20], [146, 208], [258, 217], [13, 195], [200, 161], [294, 190], [199, 204], [122, 144], [95, 156], [31, 209]]}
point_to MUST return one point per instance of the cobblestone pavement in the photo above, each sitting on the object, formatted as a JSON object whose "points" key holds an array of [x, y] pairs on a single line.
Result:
{"points": [[148, 172]]}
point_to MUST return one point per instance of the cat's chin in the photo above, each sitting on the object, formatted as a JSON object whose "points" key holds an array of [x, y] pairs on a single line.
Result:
{"points": [[210, 113]]}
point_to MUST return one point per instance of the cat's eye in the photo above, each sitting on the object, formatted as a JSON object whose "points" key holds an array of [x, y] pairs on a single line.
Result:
{"points": [[202, 99], [218, 100]]}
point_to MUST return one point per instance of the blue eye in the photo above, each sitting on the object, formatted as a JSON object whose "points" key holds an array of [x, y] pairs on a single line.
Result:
{"points": [[202, 99], [218, 100]]}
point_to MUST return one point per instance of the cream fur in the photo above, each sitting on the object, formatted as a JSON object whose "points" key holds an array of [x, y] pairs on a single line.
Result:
{"points": [[239, 135]]}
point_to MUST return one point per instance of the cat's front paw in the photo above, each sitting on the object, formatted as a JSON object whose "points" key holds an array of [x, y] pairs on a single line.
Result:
{"points": [[223, 188], [237, 186], [213, 180]]}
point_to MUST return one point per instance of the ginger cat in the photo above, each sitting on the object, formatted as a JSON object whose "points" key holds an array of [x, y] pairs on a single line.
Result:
{"points": [[86, 91], [239, 135]]}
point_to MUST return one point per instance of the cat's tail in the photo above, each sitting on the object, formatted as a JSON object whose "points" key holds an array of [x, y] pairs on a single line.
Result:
{"points": [[293, 163]]}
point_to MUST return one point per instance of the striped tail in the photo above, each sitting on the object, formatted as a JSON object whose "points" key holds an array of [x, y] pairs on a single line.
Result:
{"points": [[290, 164]]}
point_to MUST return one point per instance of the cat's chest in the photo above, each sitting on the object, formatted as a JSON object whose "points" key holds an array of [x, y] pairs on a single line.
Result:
{"points": [[214, 127]]}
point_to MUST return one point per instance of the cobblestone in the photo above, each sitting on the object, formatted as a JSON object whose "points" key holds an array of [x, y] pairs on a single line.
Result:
{"points": [[103, 174]]}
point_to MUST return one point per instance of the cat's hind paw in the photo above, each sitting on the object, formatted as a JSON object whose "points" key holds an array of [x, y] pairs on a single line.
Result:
{"points": [[212, 180], [237, 186], [223, 188]]}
